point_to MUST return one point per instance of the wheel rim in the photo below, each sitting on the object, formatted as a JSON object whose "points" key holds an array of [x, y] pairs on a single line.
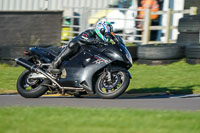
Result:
{"points": [[106, 87], [29, 84]]}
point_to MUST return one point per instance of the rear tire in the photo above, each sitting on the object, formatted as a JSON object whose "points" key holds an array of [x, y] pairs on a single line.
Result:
{"points": [[34, 91]]}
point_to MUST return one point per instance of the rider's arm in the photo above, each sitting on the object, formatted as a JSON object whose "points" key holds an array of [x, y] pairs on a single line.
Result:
{"points": [[89, 38]]}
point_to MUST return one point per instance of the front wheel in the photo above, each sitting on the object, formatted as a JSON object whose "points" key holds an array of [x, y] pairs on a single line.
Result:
{"points": [[115, 87], [30, 87]]}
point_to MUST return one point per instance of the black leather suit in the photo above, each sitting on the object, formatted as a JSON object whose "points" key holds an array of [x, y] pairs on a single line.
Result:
{"points": [[88, 37]]}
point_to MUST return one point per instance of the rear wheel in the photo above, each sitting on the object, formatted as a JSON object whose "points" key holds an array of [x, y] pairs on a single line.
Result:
{"points": [[115, 87], [31, 87]]}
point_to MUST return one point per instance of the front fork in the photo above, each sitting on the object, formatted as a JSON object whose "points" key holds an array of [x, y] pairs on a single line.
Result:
{"points": [[107, 74]]}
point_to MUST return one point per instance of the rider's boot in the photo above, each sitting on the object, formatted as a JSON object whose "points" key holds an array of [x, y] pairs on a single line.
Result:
{"points": [[57, 61]]}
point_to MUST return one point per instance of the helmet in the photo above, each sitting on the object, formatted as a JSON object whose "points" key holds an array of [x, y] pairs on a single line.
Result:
{"points": [[103, 27]]}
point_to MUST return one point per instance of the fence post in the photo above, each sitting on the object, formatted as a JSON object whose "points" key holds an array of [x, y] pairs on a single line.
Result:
{"points": [[168, 27], [46, 5], [84, 19], [193, 10], [146, 25]]}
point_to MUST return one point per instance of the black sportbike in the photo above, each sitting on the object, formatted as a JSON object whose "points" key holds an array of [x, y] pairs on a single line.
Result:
{"points": [[102, 71]]}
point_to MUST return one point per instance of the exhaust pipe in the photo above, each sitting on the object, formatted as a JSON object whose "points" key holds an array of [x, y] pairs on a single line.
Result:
{"points": [[30, 66], [27, 64]]}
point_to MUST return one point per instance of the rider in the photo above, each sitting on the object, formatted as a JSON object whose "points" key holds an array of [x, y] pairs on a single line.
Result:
{"points": [[98, 36]]}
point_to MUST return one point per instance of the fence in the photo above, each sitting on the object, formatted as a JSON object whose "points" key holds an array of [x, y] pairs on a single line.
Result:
{"points": [[83, 14], [168, 28], [126, 26], [88, 20], [51, 4]]}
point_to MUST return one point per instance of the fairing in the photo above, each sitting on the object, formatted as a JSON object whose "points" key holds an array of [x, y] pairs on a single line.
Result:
{"points": [[80, 70]]}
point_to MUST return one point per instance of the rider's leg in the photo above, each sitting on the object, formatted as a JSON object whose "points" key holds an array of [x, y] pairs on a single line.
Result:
{"points": [[65, 53]]}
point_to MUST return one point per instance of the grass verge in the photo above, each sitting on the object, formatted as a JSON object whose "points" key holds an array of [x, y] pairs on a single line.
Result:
{"points": [[176, 78], [83, 120], [8, 77]]}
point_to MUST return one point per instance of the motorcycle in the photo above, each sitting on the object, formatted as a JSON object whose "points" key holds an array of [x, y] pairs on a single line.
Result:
{"points": [[102, 71]]}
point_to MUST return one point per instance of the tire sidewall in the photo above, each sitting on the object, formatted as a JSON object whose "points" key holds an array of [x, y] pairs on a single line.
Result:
{"points": [[161, 52], [193, 61], [117, 93], [193, 51], [189, 24], [34, 93], [157, 62]]}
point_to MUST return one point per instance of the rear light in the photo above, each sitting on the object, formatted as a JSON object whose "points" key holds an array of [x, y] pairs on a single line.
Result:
{"points": [[27, 52]]}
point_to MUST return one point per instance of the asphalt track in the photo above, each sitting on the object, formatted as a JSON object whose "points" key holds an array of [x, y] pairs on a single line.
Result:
{"points": [[187, 102], [167, 102]]}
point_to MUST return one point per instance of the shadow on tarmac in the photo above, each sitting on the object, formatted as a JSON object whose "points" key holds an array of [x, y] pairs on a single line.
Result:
{"points": [[125, 96]]}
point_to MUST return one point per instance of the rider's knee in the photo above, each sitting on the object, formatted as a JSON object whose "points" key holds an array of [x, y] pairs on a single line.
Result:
{"points": [[72, 45]]}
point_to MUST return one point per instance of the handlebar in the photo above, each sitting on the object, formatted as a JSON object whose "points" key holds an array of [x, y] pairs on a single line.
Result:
{"points": [[112, 36]]}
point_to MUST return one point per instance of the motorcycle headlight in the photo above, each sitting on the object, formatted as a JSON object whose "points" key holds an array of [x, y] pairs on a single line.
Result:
{"points": [[128, 56]]}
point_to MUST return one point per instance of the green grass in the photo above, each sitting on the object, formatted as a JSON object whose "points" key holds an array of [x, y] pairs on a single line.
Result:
{"points": [[175, 78], [82, 120], [181, 78], [130, 44], [8, 77]]}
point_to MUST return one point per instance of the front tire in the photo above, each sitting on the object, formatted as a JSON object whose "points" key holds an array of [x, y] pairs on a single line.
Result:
{"points": [[31, 90], [120, 82]]}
